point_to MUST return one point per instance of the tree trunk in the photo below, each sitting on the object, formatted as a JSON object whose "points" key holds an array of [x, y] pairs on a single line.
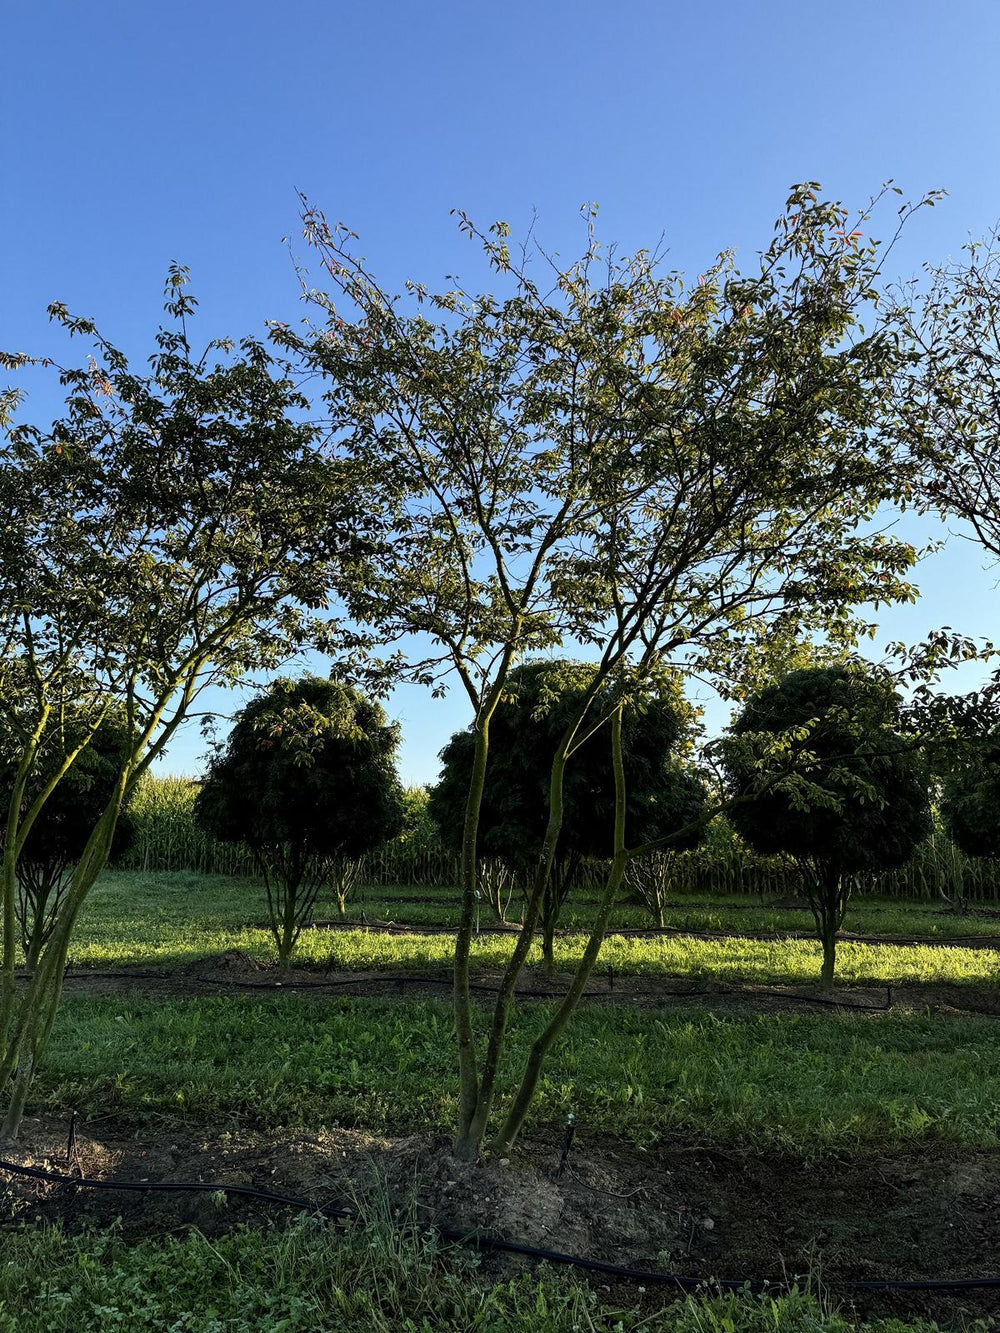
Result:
{"points": [[548, 945], [829, 957], [828, 900], [18, 1096], [473, 1119], [468, 1078], [547, 1038]]}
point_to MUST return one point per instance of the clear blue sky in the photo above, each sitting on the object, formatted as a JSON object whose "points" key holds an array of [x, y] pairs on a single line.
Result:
{"points": [[136, 133]]}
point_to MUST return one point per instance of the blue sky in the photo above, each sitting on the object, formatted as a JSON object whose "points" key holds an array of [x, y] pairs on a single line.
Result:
{"points": [[138, 133]]}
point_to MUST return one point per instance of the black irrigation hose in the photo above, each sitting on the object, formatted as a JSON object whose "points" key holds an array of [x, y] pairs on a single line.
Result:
{"points": [[623, 996], [485, 1241], [392, 981]]}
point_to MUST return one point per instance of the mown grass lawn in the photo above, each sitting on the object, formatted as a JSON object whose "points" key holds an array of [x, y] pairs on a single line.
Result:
{"points": [[173, 919]]}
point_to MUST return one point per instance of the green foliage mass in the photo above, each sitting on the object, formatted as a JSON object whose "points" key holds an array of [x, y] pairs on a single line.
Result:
{"points": [[845, 788], [60, 834], [970, 804], [310, 763], [662, 796]]}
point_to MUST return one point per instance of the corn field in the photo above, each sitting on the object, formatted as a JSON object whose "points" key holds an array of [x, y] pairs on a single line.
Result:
{"points": [[167, 838]]}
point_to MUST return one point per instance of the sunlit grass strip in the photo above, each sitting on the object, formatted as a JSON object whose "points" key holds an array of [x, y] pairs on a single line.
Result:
{"points": [[836, 1081], [171, 938]]}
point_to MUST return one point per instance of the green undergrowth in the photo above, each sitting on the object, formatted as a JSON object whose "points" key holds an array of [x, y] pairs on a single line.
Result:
{"points": [[309, 1279], [797, 1081], [169, 920]]}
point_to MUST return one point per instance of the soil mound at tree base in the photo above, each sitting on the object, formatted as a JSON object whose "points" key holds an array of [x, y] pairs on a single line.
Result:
{"points": [[709, 1210]]}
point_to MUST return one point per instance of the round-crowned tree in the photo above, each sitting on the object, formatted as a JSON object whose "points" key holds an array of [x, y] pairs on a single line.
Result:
{"points": [[307, 779], [663, 797], [59, 835], [818, 769], [970, 802]]}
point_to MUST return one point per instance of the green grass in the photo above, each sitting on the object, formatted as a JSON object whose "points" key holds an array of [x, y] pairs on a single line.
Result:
{"points": [[800, 1081], [170, 919], [723, 914], [806, 1084], [308, 1279]]}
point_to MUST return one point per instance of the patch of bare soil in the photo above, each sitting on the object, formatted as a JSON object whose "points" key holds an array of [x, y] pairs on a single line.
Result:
{"points": [[702, 1210]]}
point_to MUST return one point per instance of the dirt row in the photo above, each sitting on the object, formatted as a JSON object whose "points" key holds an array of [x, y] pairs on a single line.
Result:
{"points": [[707, 1210], [235, 973]]}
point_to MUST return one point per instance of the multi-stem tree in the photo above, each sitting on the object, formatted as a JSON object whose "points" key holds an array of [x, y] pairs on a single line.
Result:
{"points": [[662, 796], [173, 529], [60, 834], [604, 456], [307, 779]]}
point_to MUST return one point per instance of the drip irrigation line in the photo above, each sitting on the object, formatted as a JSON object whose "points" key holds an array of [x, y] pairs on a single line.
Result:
{"points": [[409, 980], [496, 1244], [533, 994], [618, 996]]}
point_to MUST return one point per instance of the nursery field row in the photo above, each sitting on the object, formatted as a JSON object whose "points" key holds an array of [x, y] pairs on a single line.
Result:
{"points": [[172, 920], [216, 900], [775, 962], [405, 905], [833, 1081]]}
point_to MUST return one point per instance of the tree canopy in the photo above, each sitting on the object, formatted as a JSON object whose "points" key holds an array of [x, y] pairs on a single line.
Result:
{"points": [[970, 802], [662, 795], [817, 768], [307, 776], [310, 762], [855, 791]]}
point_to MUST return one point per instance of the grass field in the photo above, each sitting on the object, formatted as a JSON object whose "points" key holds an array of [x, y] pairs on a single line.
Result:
{"points": [[172, 919], [831, 1087], [809, 1082]]}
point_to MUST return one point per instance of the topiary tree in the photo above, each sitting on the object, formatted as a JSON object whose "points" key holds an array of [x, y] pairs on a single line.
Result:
{"points": [[970, 803], [307, 779], [541, 695], [817, 768], [59, 836]]}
